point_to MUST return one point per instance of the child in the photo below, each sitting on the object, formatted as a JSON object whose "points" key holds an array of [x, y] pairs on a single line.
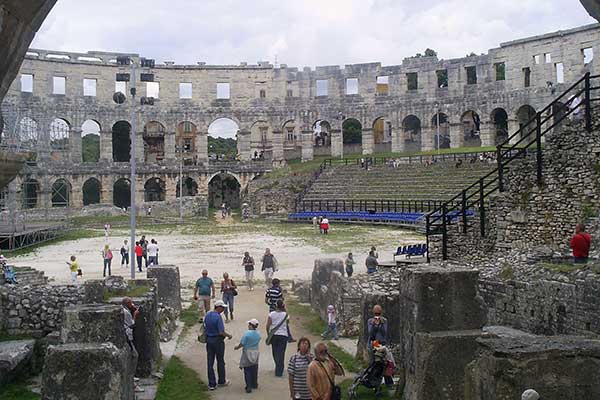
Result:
{"points": [[74, 267], [350, 265], [331, 324]]}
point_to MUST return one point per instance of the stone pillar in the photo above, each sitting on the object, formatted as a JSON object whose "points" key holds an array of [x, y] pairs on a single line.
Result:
{"points": [[278, 159], [140, 156], [168, 285], [368, 141], [75, 145], [307, 145], [486, 132], [336, 143], [106, 189], [398, 145], [170, 154], [457, 137], [171, 187], [427, 138], [202, 147], [76, 195], [513, 127], [87, 371], [93, 323], [106, 146], [244, 149]]}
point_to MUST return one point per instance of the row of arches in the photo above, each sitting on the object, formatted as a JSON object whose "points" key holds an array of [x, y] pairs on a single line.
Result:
{"points": [[222, 187]]}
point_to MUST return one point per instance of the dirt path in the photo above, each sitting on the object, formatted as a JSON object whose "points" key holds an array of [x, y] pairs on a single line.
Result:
{"points": [[248, 305]]}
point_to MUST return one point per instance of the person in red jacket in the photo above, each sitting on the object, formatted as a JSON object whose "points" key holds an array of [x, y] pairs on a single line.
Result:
{"points": [[139, 253], [580, 243]]}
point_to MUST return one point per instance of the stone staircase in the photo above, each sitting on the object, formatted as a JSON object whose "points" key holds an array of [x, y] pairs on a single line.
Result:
{"points": [[440, 181], [28, 276]]}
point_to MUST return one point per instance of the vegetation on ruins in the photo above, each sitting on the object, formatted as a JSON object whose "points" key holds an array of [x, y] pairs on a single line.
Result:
{"points": [[219, 146], [17, 391], [90, 147]]}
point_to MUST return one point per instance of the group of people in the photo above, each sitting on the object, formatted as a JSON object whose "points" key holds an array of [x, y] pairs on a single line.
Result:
{"points": [[321, 224]]}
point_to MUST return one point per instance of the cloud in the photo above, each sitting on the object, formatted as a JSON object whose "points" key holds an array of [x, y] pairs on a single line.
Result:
{"points": [[299, 33]]}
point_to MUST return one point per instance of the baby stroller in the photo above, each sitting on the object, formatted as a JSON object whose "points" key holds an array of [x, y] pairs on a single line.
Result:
{"points": [[371, 376], [7, 271]]}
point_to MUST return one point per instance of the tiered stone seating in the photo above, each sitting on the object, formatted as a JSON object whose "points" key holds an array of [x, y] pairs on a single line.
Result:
{"points": [[406, 182], [28, 276]]}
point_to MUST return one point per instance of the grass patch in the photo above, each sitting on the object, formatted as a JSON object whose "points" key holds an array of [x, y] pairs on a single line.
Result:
{"points": [[132, 291], [17, 391], [363, 393], [181, 383], [189, 317], [350, 363], [311, 320], [5, 337]]}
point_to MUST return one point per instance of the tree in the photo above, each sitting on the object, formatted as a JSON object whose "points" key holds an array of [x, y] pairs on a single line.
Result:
{"points": [[90, 148], [430, 53], [219, 146], [352, 132]]}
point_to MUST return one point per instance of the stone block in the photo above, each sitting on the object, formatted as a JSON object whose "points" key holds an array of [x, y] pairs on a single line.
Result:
{"points": [[16, 358], [168, 285], [557, 367], [321, 276], [441, 299], [90, 371], [94, 323], [94, 291], [435, 368]]}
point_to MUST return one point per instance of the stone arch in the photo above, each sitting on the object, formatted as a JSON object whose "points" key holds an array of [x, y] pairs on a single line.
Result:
{"points": [[222, 139], [90, 141], [28, 132], [122, 193], [526, 120], [321, 133], [121, 141], [30, 191], [154, 190], [411, 126], [61, 193], [190, 187], [261, 140], [154, 141], [352, 136], [59, 134], [471, 123], [224, 187], [91, 190], [441, 140], [185, 139], [499, 119]]}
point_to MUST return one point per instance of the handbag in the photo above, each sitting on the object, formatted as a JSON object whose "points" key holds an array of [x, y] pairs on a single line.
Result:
{"points": [[336, 391], [273, 330], [79, 272], [202, 335], [234, 292]]}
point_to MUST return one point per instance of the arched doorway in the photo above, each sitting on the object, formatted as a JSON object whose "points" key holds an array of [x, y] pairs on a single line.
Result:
{"points": [[190, 187], [90, 141], [154, 190], [154, 142], [222, 139], [499, 119], [471, 128], [224, 188], [122, 193], [322, 135], [28, 133], [91, 191], [411, 125], [441, 136], [61, 193], [526, 120], [121, 141], [59, 134], [352, 136], [29, 192]]}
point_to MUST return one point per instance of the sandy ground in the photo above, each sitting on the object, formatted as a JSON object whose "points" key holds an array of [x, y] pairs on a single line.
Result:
{"points": [[248, 305], [216, 252]]}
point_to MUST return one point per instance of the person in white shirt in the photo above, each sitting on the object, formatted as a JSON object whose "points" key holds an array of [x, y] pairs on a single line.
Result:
{"points": [[152, 253]]}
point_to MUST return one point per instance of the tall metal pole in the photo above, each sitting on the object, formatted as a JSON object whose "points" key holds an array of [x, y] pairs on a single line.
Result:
{"points": [[180, 182], [341, 116], [133, 134], [438, 129]]}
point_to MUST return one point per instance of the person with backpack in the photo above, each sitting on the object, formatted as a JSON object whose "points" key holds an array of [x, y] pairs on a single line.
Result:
{"points": [[125, 254], [107, 256]]}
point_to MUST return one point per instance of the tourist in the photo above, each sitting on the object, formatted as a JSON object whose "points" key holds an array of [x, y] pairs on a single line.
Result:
{"points": [[371, 263], [152, 253], [139, 255], [269, 266], [229, 290], [297, 368], [349, 262], [74, 268], [321, 373], [320, 222], [149, 211], [249, 360], [124, 254], [248, 263], [273, 295], [530, 394], [277, 331], [325, 225], [331, 323], [106, 231], [203, 292], [581, 243], [315, 224], [157, 251], [130, 315], [144, 244], [574, 107], [223, 210], [245, 212], [107, 256], [374, 250], [215, 344], [377, 328]]}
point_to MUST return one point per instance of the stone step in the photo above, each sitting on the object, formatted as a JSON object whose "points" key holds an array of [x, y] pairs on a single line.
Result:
{"points": [[16, 358]]}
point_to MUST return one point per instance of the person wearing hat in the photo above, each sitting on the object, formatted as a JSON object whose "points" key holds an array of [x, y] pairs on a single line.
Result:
{"points": [[249, 360], [530, 394], [215, 345]]}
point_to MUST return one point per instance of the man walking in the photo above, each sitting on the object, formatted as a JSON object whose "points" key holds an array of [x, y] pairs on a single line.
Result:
{"points": [[139, 254], [321, 373], [153, 253], [371, 262], [130, 315], [274, 293], [269, 266], [125, 254], [581, 243], [215, 345], [203, 292]]}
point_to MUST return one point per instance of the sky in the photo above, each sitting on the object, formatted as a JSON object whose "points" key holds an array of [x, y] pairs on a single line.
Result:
{"points": [[299, 33]]}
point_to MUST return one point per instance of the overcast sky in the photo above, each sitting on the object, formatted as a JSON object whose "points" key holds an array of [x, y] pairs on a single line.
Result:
{"points": [[299, 33]]}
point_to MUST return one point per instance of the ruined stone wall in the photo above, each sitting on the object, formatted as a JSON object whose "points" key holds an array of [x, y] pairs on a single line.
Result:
{"points": [[275, 196]]}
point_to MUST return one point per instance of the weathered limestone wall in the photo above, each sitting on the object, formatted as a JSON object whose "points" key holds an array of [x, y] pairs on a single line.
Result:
{"points": [[276, 196]]}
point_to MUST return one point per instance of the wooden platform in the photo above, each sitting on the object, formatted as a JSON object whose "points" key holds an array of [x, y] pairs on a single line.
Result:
{"points": [[19, 237]]}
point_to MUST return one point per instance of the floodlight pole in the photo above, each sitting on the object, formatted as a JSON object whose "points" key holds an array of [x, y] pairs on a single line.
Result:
{"points": [[438, 128], [132, 162], [180, 182]]}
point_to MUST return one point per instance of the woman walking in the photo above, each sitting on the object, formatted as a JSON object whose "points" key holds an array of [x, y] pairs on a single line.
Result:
{"points": [[249, 360], [229, 290], [107, 256], [277, 331], [297, 368], [248, 264]]}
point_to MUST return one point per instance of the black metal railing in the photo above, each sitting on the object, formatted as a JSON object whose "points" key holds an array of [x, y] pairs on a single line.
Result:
{"points": [[376, 206], [523, 143]]}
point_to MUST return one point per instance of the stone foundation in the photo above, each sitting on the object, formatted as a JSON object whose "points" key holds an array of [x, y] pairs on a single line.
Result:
{"points": [[168, 285]]}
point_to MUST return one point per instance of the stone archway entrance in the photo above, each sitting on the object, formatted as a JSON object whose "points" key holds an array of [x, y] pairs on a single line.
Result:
{"points": [[224, 188]]}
